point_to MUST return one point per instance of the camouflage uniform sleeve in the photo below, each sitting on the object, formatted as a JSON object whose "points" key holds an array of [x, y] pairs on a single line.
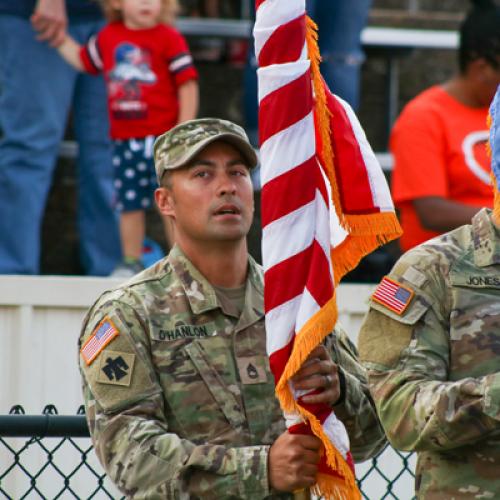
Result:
{"points": [[357, 409], [407, 357], [130, 432]]}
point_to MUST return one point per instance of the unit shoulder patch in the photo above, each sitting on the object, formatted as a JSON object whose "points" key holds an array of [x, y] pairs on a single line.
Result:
{"points": [[116, 368], [393, 295], [102, 335]]}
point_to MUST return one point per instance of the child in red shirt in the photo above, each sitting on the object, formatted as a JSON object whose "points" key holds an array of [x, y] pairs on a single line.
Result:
{"points": [[152, 86]]}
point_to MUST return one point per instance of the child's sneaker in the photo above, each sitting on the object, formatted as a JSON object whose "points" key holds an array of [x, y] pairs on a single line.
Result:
{"points": [[127, 268]]}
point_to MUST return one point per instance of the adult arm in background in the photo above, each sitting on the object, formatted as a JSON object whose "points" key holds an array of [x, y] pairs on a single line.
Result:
{"points": [[188, 100], [49, 19], [442, 215], [407, 358]]}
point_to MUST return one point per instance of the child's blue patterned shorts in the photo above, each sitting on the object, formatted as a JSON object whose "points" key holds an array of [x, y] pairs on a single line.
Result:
{"points": [[135, 176]]}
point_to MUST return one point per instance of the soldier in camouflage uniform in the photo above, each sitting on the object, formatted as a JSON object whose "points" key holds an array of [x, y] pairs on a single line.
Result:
{"points": [[431, 343], [178, 392]]}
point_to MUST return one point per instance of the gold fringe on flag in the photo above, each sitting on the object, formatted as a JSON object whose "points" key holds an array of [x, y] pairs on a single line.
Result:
{"points": [[322, 111]]}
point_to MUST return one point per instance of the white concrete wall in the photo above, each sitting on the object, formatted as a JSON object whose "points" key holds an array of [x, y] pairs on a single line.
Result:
{"points": [[40, 320]]}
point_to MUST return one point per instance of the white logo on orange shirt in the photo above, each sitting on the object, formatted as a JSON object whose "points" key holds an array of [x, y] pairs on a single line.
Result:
{"points": [[468, 146]]}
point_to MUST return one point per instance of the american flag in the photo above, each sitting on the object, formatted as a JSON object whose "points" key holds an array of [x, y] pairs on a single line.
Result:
{"points": [[105, 332], [325, 204], [393, 295]]}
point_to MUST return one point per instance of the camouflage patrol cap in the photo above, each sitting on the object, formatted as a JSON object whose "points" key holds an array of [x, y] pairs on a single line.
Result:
{"points": [[179, 145]]}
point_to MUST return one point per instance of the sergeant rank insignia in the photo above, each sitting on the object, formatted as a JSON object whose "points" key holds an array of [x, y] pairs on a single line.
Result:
{"points": [[393, 295], [103, 334]]}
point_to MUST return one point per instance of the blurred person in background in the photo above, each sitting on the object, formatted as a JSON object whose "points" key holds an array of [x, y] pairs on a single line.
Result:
{"points": [[340, 23], [441, 172], [151, 86], [37, 90]]}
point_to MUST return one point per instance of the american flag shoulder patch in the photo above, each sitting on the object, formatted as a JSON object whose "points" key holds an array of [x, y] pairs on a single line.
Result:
{"points": [[103, 334], [393, 295]]}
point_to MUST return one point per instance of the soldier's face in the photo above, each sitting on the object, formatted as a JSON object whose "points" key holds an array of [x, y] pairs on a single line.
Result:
{"points": [[212, 199]]}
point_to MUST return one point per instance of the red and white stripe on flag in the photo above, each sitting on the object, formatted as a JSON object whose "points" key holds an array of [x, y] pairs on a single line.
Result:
{"points": [[325, 204]]}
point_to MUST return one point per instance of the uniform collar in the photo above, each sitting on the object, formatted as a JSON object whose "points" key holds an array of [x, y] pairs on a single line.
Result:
{"points": [[486, 239], [201, 294], [254, 296]]}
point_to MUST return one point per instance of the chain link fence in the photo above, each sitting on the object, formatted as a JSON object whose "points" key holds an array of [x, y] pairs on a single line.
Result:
{"points": [[50, 456]]}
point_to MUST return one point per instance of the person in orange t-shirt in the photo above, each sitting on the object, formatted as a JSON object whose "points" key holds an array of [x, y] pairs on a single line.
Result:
{"points": [[441, 172]]}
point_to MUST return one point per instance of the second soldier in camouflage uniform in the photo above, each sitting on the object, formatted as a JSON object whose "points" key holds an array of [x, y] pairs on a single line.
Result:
{"points": [[179, 396], [431, 342]]}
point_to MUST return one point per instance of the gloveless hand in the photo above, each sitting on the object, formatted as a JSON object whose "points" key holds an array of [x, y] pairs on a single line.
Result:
{"points": [[50, 21], [318, 372], [293, 461]]}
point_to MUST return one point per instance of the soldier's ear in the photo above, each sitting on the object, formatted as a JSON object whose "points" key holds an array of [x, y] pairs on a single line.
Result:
{"points": [[165, 201]]}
